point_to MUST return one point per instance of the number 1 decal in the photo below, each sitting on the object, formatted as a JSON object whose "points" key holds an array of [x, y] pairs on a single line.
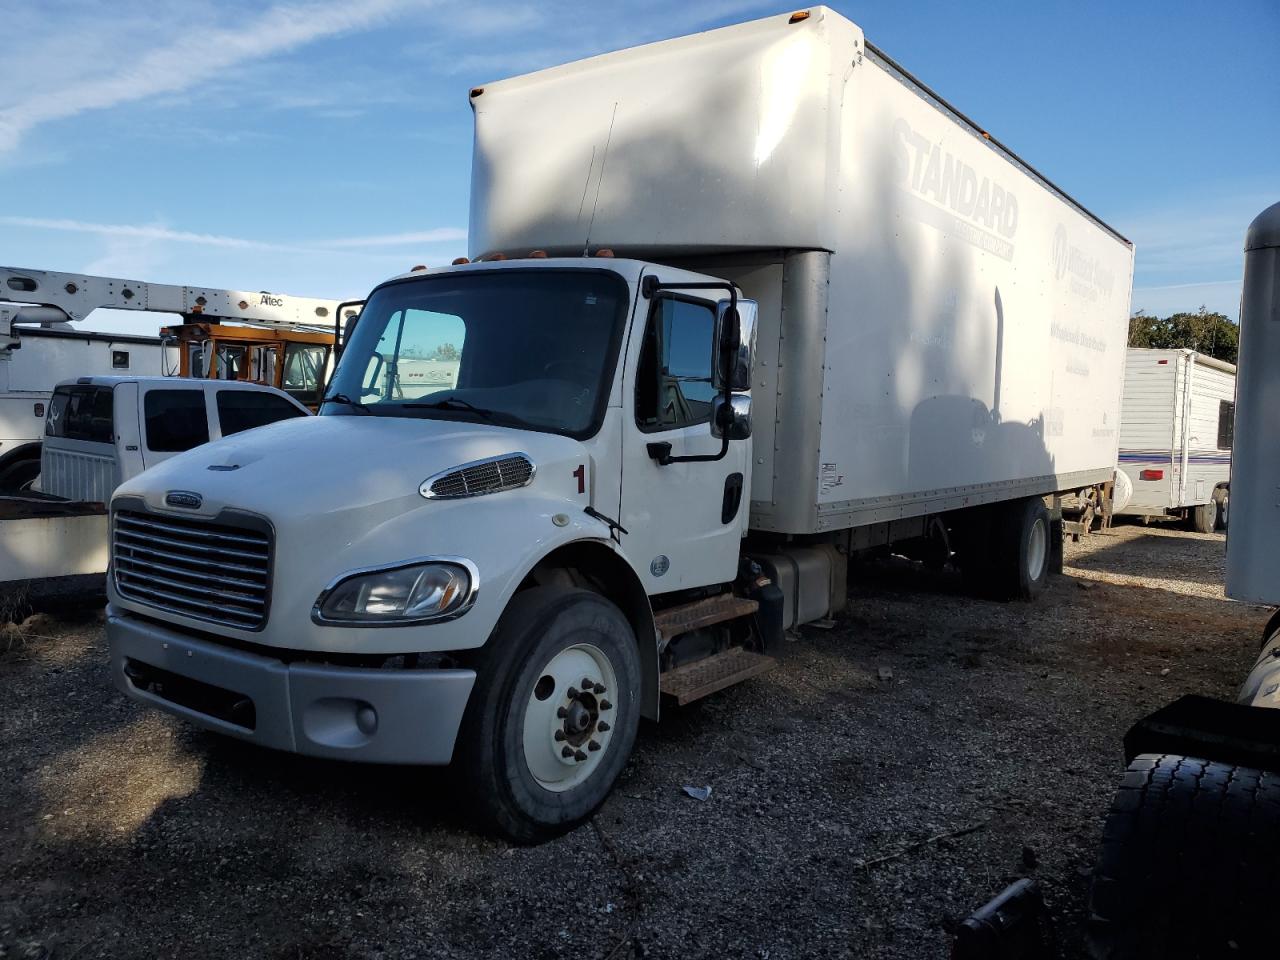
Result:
{"points": [[581, 475]]}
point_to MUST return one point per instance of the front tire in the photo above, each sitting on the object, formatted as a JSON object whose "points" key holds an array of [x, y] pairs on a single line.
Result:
{"points": [[553, 715]]}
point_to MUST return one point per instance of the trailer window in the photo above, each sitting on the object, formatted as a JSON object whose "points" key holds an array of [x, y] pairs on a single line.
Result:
{"points": [[674, 385], [1226, 424], [245, 409], [81, 413], [176, 420]]}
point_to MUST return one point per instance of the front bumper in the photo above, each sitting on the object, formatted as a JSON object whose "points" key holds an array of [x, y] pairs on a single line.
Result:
{"points": [[321, 710]]}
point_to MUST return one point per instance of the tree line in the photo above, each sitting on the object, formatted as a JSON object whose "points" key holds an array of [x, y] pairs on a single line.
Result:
{"points": [[1208, 333]]}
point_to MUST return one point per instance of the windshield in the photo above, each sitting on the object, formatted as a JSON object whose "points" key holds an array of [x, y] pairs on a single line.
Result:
{"points": [[525, 348]]}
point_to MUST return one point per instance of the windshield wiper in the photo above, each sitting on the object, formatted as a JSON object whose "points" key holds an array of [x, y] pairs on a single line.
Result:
{"points": [[346, 401], [451, 403]]}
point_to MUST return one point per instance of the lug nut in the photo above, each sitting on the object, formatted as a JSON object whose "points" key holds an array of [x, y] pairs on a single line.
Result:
{"points": [[602, 726], [566, 752], [598, 689], [606, 705], [586, 683], [573, 693], [562, 713], [593, 746], [559, 735], [579, 756]]}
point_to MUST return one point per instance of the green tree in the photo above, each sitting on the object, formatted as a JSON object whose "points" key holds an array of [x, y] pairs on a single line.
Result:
{"points": [[1213, 334], [446, 351]]}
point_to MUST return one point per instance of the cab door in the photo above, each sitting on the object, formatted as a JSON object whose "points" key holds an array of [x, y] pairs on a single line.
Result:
{"points": [[684, 520]]}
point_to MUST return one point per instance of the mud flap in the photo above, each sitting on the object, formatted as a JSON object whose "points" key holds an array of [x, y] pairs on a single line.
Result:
{"points": [[1196, 726]]}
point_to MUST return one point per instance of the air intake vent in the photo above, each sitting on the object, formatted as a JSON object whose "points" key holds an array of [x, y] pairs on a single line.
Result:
{"points": [[483, 476]]}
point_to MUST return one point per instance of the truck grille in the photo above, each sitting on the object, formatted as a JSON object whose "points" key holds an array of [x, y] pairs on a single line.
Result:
{"points": [[484, 476], [196, 568]]}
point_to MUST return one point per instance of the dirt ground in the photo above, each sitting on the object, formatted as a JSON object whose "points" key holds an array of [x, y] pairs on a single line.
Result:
{"points": [[921, 713]]}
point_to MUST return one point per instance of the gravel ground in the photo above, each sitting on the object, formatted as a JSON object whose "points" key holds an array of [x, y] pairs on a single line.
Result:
{"points": [[921, 714]]}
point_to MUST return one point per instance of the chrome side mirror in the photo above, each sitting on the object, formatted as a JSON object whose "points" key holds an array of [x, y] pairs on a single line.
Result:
{"points": [[735, 344], [732, 419]]}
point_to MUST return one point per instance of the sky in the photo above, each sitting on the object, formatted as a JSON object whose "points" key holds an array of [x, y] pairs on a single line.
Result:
{"points": [[316, 148]]}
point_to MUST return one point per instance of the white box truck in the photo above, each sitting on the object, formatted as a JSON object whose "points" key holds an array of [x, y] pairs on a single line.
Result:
{"points": [[834, 315], [1176, 434]]}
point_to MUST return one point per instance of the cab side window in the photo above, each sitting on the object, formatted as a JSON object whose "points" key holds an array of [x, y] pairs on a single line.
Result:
{"points": [[245, 409], [175, 420], [674, 386]]}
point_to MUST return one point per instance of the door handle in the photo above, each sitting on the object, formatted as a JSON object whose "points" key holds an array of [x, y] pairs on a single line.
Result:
{"points": [[732, 497]]}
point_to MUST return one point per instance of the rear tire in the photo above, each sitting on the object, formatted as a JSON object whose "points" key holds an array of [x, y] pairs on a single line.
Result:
{"points": [[1223, 503], [529, 705], [1204, 517], [17, 476], [1021, 550], [1188, 862]]}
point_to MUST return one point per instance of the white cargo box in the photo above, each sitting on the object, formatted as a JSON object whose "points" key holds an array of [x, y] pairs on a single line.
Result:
{"points": [[940, 326]]}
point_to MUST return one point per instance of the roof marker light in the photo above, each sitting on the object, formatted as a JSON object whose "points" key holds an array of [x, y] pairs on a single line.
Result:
{"points": [[537, 254], [497, 256], [799, 16], [418, 269], [476, 91], [604, 252], [459, 261]]}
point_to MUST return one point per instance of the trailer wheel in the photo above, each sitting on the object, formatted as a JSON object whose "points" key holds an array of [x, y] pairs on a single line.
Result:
{"points": [[1204, 517], [1187, 867], [1021, 550], [1223, 501], [554, 713]]}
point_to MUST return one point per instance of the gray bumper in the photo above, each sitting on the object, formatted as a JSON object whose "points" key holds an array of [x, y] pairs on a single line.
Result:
{"points": [[350, 713]]}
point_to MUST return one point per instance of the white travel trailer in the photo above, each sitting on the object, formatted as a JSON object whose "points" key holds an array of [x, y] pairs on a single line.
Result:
{"points": [[1176, 429], [836, 314]]}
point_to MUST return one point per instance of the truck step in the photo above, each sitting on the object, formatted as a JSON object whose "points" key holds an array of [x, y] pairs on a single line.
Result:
{"points": [[696, 680], [702, 613]]}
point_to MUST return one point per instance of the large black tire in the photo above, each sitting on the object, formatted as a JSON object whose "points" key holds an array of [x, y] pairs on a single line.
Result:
{"points": [[18, 475], [1020, 552], [1203, 517], [1223, 501], [1190, 863], [490, 754]]}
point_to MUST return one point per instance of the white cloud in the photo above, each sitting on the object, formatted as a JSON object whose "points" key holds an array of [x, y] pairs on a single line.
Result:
{"points": [[151, 233], [199, 54]]}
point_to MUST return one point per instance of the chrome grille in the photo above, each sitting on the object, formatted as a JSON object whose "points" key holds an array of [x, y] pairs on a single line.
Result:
{"points": [[484, 476], [209, 571]]}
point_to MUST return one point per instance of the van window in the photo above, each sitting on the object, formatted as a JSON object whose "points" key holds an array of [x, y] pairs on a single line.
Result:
{"points": [[1226, 424], [81, 412], [674, 385], [176, 420], [245, 409]]}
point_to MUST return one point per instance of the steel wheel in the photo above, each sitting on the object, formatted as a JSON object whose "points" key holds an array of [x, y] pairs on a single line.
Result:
{"points": [[1037, 549], [566, 722]]}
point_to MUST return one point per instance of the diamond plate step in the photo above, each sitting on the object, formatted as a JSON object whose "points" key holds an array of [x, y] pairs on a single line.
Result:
{"points": [[696, 680], [702, 613]]}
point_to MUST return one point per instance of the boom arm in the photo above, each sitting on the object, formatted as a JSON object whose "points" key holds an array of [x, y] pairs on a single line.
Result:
{"points": [[75, 295]]}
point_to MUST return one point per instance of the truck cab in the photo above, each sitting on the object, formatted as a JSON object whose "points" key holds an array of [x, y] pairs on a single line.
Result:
{"points": [[101, 431]]}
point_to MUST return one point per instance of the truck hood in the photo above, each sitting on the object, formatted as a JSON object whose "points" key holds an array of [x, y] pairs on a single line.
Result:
{"points": [[336, 465]]}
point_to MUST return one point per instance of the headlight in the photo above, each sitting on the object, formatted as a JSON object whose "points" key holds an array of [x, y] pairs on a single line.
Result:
{"points": [[414, 592]]}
